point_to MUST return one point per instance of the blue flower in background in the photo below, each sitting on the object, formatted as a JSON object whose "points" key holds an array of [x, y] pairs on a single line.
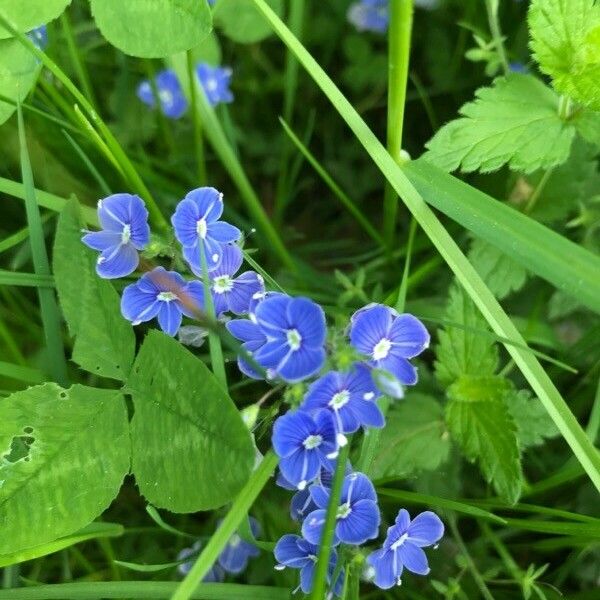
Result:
{"points": [[370, 15], [215, 82], [296, 553], [253, 338], [196, 221], [234, 558], [357, 517], [163, 294], [518, 67], [229, 293], [39, 36], [172, 100], [389, 340], [403, 547], [305, 444], [214, 575], [124, 222], [295, 329], [351, 398]]}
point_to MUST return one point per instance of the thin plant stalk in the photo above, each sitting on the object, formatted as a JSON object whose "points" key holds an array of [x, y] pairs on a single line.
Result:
{"points": [[197, 124], [492, 13]]}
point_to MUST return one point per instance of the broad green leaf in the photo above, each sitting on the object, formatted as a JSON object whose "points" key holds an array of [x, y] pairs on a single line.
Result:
{"points": [[29, 14], [104, 341], [534, 425], [514, 122], [208, 51], [63, 457], [466, 350], [500, 273], [191, 448], [414, 438], [18, 71], [240, 21], [587, 123], [91, 532], [152, 28], [565, 39], [481, 424]]}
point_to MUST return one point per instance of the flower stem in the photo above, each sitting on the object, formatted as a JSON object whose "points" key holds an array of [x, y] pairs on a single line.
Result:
{"points": [[198, 138], [401, 19], [492, 13]]}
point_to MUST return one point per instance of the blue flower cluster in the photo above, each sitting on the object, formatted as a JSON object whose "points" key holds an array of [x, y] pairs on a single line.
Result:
{"points": [[163, 294], [39, 36], [373, 15], [215, 82]]}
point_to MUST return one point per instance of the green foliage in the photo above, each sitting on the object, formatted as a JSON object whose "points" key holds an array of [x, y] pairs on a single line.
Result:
{"points": [[514, 122], [565, 39], [533, 423], [465, 349], [64, 456], [152, 28], [19, 70], [191, 448], [240, 21], [104, 341], [414, 439], [28, 14], [501, 274], [481, 424]]}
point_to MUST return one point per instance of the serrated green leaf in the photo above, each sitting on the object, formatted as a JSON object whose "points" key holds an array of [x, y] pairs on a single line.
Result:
{"points": [[29, 14], [240, 21], [464, 351], [565, 39], [18, 71], [414, 438], [482, 426], [152, 28], [63, 457], [500, 273], [514, 122], [191, 448], [533, 423], [587, 123]]}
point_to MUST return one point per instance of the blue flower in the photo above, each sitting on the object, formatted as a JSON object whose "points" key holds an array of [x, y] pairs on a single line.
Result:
{"points": [[304, 445], [252, 337], [234, 558], [350, 396], [403, 547], [357, 517], [295, 329], [163, 294], [124, 222], [196, 221], [518, 67], [295, 552], [214, 575], [215, 82], [39, 37], [229, 293], [389, 340], [370, 15], [172, 100]]}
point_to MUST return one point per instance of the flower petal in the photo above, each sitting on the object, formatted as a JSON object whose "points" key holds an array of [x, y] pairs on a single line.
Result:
{"points": [[400, 368], [245, 330], [271, 354], [117, 261], [300, 364], [289, 431], [244, 288], [321, 391], [307, 575], [223, 232], [231, 261], [102, 240], [312, 528], [409, 336], [387, 568], [118, 210], [271, 315], [169, 318], [361, 524], [288, 553], [301, 467], [309, 319], [191, 299], [426, 529], [413, 558], [209, 202], [138, 306], [369, 327], [184, 221]]}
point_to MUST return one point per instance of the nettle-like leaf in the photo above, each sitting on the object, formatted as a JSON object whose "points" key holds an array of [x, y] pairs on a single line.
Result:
{"points": [[152, 28], [29, 14], [104, 341], [481, 424], [63, 457], [191, 448], [466, 349], [414, 438], [501, 274], [514, 122], [565, 39], [241, 21], [534, 424], [19, 70]]}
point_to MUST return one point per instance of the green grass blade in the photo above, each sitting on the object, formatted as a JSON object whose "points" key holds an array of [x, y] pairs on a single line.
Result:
{"points": [[51, 317], [564, 419], [26, 279], [88, 163]]}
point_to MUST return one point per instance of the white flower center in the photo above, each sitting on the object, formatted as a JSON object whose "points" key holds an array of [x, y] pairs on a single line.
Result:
{"points": [[211, 84], [126, 234], [201, 228], [312, 442], [381, 349], [399, 541], [343, 511], [369, 396], [294, 339], [235, 540], [222, 284], [166, 296], [166, 97], [340, 399]]}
